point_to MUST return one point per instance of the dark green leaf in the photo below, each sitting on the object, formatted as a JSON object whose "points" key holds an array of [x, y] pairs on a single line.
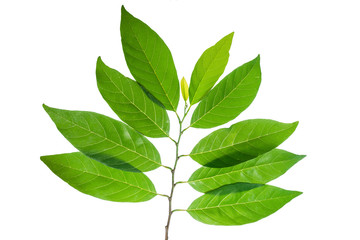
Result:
{"points": [[149, 60], [90, 177], [209, 68], [106, 140], [230, 97], [262, 169], [131, 103], [239, 204], [242, 141]]}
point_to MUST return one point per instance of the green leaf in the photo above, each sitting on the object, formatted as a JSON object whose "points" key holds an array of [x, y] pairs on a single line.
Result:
{"points": [[239, 204], [149, 60], [261, 169], [106, 140], [95, 179], [230, 97], [209, 68], [131, 103], [242, 141]]}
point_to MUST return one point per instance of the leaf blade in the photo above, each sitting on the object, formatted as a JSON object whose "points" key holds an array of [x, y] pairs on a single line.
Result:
{"points": [[230, 97], [130, 102], [95, 179], [209, 68], [261, 170], [106, 140], [241, 142], [239, 204], [149, 60]]}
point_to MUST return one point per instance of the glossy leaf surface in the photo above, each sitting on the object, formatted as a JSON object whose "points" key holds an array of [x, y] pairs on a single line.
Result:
{"points": [[106, 140], [261, 169], [149, 60], [239, 204], [242, 141], [230, 97], [131, 103], [95, 179], [209, 68]]}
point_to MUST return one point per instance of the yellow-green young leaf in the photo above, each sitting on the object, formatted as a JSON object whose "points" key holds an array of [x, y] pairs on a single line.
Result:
{"points": [[106, 140], [209, 68], [149, 60], [239, 204], [131, 103], [184, 89], [230, 97], [240, 142], [95, 179], [261, 169]]}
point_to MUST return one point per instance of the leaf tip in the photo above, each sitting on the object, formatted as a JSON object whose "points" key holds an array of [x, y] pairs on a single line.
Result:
{"points": [[42, 158], [99, 62], [46, 107], [297, 193], [124, 12]]}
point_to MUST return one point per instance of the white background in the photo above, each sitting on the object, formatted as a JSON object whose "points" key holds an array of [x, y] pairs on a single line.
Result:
{"points": [[310, 63]]}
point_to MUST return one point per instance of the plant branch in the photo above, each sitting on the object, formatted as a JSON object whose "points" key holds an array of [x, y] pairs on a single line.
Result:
{"points": [[177, 157]]}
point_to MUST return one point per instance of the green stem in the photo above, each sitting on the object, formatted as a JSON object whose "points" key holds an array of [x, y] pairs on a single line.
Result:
{"points": [[181, 182], [163, 195], [179, 210], [173, 183], [167, 167]]}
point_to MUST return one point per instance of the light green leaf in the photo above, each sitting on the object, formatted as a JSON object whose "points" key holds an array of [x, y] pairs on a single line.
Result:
{"points": [[131, 103], [230, 97], [95, 179], [209, 68], [242, 141], [184, 89], [149, 60], [239, 204], [261, 169], [106, 140]]}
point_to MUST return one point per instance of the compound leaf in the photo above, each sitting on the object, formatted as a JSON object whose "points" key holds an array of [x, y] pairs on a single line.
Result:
{"points": [[131, 103], [95, 179], [261, 169], [241, 142], [230, 97], [209, 68], [106, 140], [149, 60], [239, 204]]}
